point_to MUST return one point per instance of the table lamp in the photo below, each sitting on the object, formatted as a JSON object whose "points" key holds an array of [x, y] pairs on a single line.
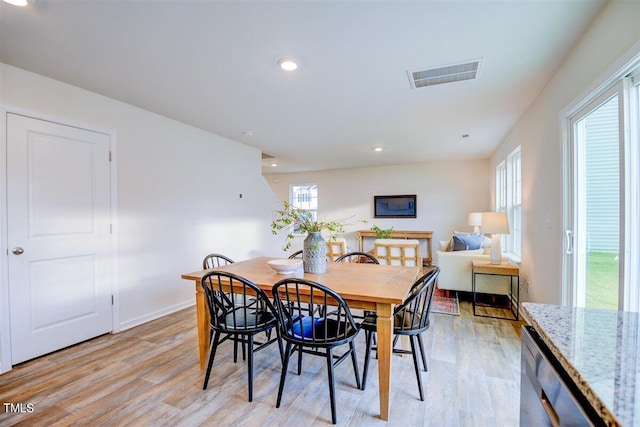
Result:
{"points": [[475, 219], [495, 223]]}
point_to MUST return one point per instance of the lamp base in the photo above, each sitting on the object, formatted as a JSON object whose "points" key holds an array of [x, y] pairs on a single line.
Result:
{"points": [[496, 250]]}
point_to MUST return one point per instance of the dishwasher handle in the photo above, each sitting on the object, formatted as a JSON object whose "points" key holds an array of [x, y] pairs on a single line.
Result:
{"points": [[550, 410]]}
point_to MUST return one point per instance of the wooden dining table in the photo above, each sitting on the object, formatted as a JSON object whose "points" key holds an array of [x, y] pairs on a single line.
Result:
{"points": [[363, 286]]}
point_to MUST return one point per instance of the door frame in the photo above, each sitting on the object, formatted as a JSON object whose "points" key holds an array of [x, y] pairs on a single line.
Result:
{"points": [[5, 329], [628, 252], [576, 218]]}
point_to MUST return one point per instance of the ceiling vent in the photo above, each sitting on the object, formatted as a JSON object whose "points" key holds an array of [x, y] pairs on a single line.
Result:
{"points": [[446, 74]]}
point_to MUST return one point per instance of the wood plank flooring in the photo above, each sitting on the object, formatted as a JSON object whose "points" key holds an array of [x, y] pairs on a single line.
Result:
{"points": [[149, 376]]}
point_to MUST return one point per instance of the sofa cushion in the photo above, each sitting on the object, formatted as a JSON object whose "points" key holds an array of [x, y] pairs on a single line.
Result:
{"points": [[465, 242]]}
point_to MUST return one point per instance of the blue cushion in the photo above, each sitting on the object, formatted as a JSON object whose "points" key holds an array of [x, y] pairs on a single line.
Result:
{"points": [[466, 242], [303, 327]]}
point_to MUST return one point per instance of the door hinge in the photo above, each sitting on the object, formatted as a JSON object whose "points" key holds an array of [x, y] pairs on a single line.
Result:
{"points": [[109, 155], [111, 228], [112, 300]]}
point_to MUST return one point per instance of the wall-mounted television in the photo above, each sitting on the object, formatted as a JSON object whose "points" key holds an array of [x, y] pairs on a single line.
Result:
{"points": [[394, 206]]}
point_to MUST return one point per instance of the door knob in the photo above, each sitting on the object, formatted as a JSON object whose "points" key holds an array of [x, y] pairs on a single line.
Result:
{"points": [[18, 251]]}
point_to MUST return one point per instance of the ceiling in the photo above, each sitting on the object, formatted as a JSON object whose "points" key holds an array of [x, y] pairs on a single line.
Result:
{"points": [[213, 65]]}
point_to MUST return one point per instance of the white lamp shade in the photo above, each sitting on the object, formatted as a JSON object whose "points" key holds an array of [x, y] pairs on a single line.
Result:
{"points": [[495, 223], [475, 219]]}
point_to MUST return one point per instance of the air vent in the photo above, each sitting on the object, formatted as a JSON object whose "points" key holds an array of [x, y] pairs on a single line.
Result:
{"points": [[445, 74]]}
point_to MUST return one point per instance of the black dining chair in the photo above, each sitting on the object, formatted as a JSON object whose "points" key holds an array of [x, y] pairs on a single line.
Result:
{"points": [[298, 303], [215, 260], [411, 318], [239, 310], [358, 257]]}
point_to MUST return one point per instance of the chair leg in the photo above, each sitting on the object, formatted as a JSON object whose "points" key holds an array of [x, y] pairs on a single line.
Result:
{"points": [[283, 375], [299, 361], [354, 359], [235, 350], [424, 357], [332, 386], [415, 365], [212, 355], [280, 346], [367, 358], [250, 366], [244, 352]]}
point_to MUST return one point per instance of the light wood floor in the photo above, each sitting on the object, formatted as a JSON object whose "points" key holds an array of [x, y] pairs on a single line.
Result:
{"points": [[149, 376]]}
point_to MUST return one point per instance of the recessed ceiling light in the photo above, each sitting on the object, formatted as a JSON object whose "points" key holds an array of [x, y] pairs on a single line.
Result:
{"points": [[288, 64], [247, 133], [377, 149], [273, 165], [17, 2]]}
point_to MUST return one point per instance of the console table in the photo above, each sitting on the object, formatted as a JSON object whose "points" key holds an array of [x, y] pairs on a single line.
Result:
{"points": [[504, 269], [424, 235]]}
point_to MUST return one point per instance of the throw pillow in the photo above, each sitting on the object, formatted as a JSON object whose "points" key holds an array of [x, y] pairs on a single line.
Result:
{"points": [[467, 242]]}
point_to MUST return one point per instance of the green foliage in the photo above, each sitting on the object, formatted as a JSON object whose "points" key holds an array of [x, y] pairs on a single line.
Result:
{"points": [[290, 218], [382, 233]]}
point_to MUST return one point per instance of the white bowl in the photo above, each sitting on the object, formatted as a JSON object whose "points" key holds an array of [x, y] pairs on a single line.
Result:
{"points": [[285, 266]]}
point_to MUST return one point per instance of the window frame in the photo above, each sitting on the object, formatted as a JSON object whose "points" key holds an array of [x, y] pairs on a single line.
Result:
{"points": [[308, 205], [509, 200], [624, 72]]}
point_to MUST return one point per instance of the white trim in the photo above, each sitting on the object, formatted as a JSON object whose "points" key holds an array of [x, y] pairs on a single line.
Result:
{"points": [[115, 281], [5, 326], [157, 314], [631, 273], [5, 329]]}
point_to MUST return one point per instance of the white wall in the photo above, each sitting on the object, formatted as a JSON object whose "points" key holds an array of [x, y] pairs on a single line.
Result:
{"points": [[177, 193], [615, 31], [446, 192]]}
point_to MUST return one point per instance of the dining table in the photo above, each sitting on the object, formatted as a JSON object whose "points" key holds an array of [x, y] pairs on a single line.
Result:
{"points": [[372, 287]]}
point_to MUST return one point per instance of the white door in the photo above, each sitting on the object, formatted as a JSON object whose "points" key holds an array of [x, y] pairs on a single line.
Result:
{"points": [[597, 187], [58, 211]]}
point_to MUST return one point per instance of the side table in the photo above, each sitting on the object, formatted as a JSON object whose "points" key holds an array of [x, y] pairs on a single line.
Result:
{"points": [[504, 269]]}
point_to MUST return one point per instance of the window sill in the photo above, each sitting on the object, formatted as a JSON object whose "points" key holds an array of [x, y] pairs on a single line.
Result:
{"points": [[512, 257]]}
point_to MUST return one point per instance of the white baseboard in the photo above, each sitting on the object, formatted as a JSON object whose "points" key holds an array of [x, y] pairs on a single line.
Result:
{"points": [[156, 314]]}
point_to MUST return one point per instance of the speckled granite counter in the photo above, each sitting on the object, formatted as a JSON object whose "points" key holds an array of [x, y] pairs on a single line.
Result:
{"points": [[600, 350]]}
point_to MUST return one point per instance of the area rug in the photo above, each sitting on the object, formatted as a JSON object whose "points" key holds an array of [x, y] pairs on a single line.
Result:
{"points": [[445, 305]]}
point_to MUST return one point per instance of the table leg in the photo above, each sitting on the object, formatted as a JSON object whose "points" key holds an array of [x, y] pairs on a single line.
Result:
{"points": [[203, 325], [384, 327]]}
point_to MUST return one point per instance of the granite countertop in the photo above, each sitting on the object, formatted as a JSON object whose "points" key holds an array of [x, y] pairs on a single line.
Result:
{"points": [[600, 350]]}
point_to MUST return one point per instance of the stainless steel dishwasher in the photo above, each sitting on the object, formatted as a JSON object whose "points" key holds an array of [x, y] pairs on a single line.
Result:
{"points": [[548, 397]]}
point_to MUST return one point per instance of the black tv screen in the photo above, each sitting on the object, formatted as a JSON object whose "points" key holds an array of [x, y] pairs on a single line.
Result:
{"points": [[394, 206]]}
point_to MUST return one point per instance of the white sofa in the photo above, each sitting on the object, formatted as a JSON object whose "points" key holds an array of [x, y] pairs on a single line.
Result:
{"points": [[455, 273]]}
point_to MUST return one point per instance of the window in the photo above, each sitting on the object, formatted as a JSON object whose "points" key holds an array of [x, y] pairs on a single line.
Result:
{"points": [[509, 200], [304, 197]]}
